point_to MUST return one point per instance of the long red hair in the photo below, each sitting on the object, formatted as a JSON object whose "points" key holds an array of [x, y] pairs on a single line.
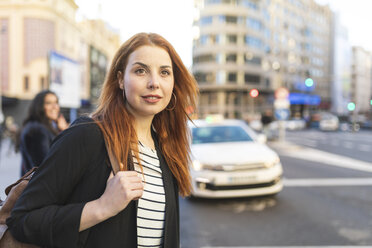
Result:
{"points": [[117, 123]]}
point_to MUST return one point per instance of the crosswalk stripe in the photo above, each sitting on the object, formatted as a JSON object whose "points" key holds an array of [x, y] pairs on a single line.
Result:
{"points": [[310, 182], [315, 155]]}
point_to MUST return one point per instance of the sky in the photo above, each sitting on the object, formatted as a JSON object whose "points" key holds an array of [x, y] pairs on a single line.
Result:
{"points": [[173, 19]]}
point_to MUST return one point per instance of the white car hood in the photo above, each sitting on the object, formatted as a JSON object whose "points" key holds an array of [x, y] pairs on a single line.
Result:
{"points": [[232, 153]]}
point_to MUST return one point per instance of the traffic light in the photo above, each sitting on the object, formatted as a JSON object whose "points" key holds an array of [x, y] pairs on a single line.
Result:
{"points": [[309, 82], [351, 106], [254, 93]]}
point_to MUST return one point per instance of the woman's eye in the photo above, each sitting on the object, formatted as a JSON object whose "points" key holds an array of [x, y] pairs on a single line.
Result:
{"points": [[165, 73], [140, 71]]}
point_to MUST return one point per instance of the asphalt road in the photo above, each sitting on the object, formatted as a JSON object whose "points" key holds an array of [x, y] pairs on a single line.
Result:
{"points": [[356, 145], [326, 202]]}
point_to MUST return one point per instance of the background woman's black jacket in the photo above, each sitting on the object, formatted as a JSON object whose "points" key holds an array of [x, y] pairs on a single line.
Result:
{"points": [[35, 143], [74, 172]]}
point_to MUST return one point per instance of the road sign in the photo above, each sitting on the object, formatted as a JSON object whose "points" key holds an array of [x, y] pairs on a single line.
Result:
{"points": [[281, 104], [281, 93], [282, 114]]}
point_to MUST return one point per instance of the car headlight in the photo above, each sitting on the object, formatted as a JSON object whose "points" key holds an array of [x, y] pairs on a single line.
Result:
{"points": [[272, 163]]}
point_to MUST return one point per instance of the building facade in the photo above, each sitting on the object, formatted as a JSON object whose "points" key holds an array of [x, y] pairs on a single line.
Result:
{"points": [[361, 80], [341, 72], [30, 31], [260, 44]]}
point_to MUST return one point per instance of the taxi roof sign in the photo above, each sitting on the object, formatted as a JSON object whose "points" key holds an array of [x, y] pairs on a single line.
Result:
{"points": [[214, 118]]}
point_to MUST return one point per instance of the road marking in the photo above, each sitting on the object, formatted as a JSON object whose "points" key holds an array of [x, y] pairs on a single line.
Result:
{"points": [[364, 148], [348, 145], [310, 182], [335, 143], [314, 155], [289, 246]]}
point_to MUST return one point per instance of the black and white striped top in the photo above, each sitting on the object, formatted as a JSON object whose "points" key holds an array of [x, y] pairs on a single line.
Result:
{"points": [[151, 206]]}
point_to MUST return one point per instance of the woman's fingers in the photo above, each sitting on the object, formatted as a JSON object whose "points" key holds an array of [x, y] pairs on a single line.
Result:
{"points": [[136, 194], [130, 181]]}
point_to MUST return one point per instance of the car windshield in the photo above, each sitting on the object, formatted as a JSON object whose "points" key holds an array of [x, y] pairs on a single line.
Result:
{"points": [[201, 135]]}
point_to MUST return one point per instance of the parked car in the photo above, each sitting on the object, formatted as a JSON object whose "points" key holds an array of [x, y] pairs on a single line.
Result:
{"points": [[295, 124], [230, 160], [328, 122]]}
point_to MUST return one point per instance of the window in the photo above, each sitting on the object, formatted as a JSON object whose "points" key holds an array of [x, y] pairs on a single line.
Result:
{"points": [[200, 77], [267, 82], [249, 4], [213, 99], [203, 40], [204, 77], [26, 83], [232, 38], [215, 39], [250, 59], [231, 77], [228, 19], [231, 57], [254, 24], [253, 42], [205, 58], [251, 78], [206, 20], [232, 19]]}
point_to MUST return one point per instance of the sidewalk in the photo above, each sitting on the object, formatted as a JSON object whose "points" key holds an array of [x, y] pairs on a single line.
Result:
{"points": [[10, 163]]}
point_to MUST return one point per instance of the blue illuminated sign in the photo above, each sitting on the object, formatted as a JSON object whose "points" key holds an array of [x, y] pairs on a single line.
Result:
{"points": [[301, 98]]}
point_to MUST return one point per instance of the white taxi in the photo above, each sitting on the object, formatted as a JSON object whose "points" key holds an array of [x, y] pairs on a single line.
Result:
{"points": [[229, 160]]}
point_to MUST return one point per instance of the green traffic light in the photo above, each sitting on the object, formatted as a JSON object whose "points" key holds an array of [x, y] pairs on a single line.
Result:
{"points": [[351, 106], [309, 82], [370, 102]]}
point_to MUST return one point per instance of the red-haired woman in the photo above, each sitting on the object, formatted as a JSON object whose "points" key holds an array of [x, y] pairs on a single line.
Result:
{"points": [[77, 199]]}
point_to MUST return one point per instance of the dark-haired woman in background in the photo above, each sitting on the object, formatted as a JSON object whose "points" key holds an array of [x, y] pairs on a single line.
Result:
{"points": [[40, 127]]}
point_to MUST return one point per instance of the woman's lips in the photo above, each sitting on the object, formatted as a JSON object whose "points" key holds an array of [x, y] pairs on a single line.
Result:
{"points": [[152, 98]]}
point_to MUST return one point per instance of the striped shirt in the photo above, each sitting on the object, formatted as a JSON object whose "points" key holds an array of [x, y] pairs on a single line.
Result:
{"points": [[151, 206]]}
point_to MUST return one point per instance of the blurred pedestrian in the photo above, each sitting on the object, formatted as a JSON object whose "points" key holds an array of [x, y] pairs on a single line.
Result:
{"points": [[76, 199], [10, 130], [266, 119], [43, 122]]}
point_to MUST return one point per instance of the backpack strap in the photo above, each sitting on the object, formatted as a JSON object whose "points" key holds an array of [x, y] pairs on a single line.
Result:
{"points": [[26, 177]]}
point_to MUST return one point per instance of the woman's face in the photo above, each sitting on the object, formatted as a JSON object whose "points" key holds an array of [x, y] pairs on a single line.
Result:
{"points": [[51, 107], [148, 81]]}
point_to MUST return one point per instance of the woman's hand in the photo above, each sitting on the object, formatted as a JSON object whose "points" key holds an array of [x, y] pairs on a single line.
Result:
{"points": [[61, 123], [122, 188]]}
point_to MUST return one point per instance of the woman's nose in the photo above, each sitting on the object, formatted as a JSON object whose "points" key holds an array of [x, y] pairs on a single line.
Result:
{"points": [[153, 82]]}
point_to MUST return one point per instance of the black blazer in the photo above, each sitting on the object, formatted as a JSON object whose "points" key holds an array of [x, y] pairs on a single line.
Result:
{"points": [[75, 172], [36, 139]]}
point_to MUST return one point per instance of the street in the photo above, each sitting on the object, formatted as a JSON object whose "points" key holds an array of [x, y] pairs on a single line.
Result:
{"points": [[356, 145], [326, 200]]}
